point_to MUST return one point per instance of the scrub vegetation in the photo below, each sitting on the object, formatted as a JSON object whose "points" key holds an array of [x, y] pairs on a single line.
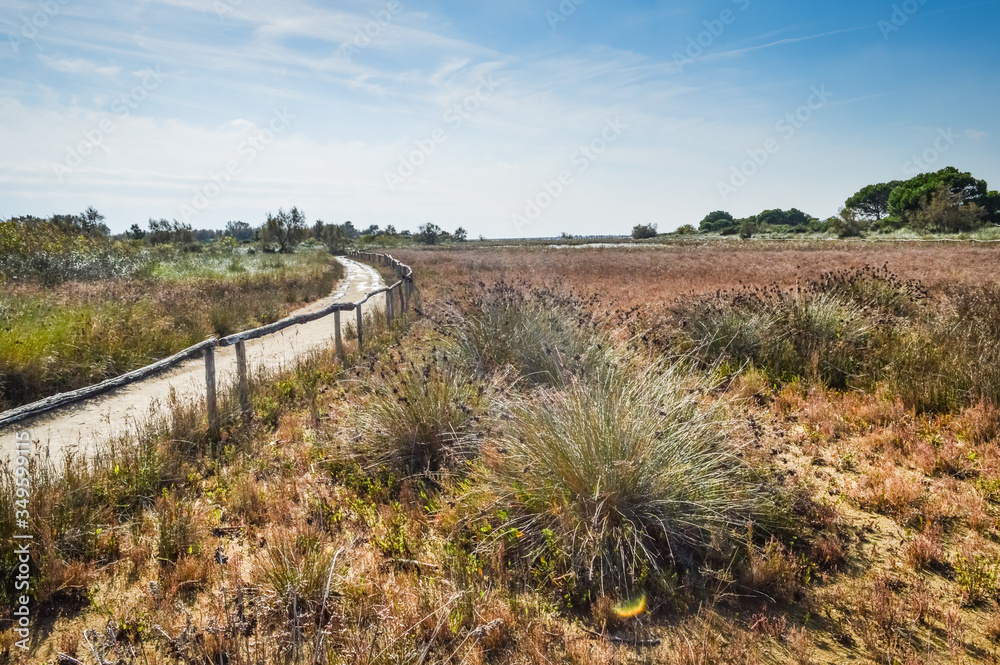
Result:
{"points": [[753, 453], [78, 307]]}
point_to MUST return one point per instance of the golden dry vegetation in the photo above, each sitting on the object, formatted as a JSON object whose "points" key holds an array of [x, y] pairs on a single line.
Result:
{"points": [[463, 491]]}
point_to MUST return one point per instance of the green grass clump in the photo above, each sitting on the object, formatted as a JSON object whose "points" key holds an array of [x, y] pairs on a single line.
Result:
{"points": [[619, 479], [837, 330], [422, 411], [542, 335], [297, 573], [951, 357]]}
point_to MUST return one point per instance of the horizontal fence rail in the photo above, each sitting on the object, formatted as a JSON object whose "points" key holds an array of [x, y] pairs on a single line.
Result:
{"points": [[404, 287]]}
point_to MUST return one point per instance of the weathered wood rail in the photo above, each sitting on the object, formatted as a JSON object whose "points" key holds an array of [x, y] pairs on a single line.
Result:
{"points": [[403, 289]]}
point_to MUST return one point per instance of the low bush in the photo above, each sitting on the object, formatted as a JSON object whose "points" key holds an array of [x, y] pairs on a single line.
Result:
{"points": [[619, 479], [422, 411], [837, 330], [952, 359], [544, 336], [297, 572]]}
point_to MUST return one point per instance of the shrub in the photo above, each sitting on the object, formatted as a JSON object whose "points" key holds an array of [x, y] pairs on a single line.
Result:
{"points": [[618, 478], [943, 211], [952, 358], [834, 329], [815, 337], [297, 572], [543, 336], [421, 411], [52, 252], [849, 224], [643, 231]]}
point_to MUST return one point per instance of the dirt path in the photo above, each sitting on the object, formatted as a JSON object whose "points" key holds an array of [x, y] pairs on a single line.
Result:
{"points": [[82, 425]]}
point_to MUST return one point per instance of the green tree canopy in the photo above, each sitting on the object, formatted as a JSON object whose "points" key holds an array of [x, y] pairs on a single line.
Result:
{"points": [[641, 231], [162, 231], [910, 196], [792, 217], [991, 202], [717, 221], [428, 234], [334, 236], [872, 202], [286, 229], [239, 230]]}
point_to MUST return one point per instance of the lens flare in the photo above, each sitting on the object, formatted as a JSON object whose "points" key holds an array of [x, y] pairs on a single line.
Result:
{"points": [[630, 609]]}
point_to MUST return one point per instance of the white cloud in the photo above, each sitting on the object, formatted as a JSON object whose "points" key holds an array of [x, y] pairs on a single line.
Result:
{"points": [[78, 66]]}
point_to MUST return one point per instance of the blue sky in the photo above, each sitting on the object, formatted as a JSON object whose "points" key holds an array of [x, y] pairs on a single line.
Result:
{"points": [[510, 117]]}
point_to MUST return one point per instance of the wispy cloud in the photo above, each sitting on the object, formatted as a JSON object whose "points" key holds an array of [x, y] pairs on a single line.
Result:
{"points": [[227, 72], [789, 40], [78, 66]]}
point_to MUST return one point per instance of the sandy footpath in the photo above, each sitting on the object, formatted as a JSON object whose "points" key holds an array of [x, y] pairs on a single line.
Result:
{"points": [[80, 426]]}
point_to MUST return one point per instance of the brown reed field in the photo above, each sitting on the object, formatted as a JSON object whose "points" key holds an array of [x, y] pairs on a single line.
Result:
{"points": [[656, 274], [739, 453]]}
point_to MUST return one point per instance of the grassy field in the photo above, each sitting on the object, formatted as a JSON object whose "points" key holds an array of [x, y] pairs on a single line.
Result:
{"points": [[750, 452], [63, 335]]}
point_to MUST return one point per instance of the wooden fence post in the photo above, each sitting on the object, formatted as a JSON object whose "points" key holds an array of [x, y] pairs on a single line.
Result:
{"points": [[388, 306], [243, 384], [338, 341], [210, 398], [361, 337]]}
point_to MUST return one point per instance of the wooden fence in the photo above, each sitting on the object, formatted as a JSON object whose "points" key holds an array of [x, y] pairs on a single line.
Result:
{"points": [[402, 289]]}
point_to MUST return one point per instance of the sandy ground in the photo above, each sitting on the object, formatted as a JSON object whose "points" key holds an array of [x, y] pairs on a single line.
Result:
{"points": [[81, 426]]}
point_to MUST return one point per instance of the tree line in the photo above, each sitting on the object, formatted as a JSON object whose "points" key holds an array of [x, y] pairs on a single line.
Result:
{"points": [[285, 230], [945, 201], [280, 232]]}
